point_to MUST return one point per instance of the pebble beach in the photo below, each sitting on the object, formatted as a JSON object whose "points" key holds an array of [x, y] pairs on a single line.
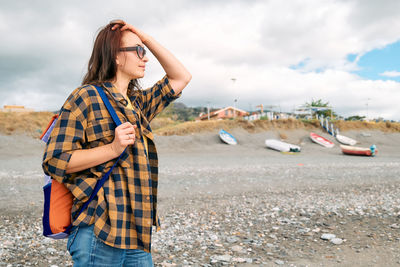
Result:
{"points": [[242, 205]]}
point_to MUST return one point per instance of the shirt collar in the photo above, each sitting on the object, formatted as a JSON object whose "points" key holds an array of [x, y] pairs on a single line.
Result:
{"points": [[115, 93]]}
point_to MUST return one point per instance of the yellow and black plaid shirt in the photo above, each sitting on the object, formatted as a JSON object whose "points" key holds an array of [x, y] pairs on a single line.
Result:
{"points": [[126, 206]]}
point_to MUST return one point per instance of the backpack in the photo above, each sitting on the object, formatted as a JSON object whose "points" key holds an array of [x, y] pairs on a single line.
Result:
{"points": [[58, 199]]}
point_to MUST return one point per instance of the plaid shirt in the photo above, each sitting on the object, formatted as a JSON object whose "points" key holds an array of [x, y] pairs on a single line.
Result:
{"points": [[126, 206]]}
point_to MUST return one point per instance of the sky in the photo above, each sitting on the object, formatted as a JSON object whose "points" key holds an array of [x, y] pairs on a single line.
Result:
{"points": [[270, 52]]}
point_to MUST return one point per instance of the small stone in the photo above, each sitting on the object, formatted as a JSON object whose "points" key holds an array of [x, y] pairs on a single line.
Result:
{"points": [[249, 260], [166, 264], [279, 262], [327, 236], [239, 260], [232, 239], [226, 258], [51, 250], [303, 231], [8, 243], [273, 236], [395, 226], [213, 237], [238, 249], [336, 241]]}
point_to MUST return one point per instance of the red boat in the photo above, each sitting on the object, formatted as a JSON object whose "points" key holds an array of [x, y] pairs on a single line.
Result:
{"points": [[321, 141], [360, 151]]}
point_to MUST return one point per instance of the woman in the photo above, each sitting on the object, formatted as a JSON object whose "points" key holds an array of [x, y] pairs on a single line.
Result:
{"points": [[115, 229]]}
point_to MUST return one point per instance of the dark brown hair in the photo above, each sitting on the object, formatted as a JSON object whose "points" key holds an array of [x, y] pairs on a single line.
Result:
{"points": [[102, 65]]}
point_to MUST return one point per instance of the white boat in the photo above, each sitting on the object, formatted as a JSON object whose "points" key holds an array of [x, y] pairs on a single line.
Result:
{"points": [[281, 146], [227, 137], [345, 140]]}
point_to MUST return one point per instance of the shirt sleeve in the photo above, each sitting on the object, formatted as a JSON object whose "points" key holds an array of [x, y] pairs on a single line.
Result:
{"points": [[67, 136], [158, 97]]}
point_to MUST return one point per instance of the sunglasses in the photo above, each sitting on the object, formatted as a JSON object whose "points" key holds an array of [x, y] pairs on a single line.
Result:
{"points": [[140, 51]]}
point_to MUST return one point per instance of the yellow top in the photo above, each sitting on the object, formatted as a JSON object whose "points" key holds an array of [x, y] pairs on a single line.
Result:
{"points": [[144, 137]]}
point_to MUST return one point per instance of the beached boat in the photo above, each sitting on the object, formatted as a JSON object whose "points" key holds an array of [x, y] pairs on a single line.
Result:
{"points": [[321, 140], [227, 137], [345, 140], [360, 151], [281, 146]]}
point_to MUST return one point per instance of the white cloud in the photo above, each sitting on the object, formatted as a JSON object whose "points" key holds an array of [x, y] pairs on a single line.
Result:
{"points": [[287, 88], [45, 53], [392, 73]]}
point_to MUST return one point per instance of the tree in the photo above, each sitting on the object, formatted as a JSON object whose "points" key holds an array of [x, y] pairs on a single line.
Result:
{"points": [[355, 118], [321, 108], [180, 112]]}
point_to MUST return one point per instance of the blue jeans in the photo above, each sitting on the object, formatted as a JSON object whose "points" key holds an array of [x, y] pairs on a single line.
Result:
{"points": [[87, 250]]}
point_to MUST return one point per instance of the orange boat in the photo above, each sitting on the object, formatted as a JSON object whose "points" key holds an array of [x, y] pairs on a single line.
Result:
{"points": [[359, 151]]}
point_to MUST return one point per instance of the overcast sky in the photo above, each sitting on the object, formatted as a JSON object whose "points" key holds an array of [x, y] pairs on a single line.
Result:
{"points": [[281, 53]]}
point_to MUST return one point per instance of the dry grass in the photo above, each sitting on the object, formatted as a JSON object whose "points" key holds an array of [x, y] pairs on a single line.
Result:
{"points": [[263, 125], [33, 123], [363, 125], [158, 123], [30, 123], [194, 127], [252, 127]]}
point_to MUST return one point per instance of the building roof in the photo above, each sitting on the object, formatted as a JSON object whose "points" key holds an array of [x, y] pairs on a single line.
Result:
{"points": [[230, 107], [215, 112]]}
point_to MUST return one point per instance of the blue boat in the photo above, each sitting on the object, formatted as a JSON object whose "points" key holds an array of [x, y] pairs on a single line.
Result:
{"points": [[227, 137]]}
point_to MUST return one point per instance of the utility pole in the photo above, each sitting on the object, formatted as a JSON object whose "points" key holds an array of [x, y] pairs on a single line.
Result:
{"points": [[234, 102], [208, 110], [234, 108], [261, 106]]}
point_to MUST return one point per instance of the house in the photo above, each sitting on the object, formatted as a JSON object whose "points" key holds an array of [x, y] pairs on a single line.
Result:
{"points": [[270, 115], [257, 115], [225, 113], [15, 108]]}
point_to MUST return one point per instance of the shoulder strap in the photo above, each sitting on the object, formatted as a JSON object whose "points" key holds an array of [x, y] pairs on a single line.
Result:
{"points": [[101, 182], [108, 105]]}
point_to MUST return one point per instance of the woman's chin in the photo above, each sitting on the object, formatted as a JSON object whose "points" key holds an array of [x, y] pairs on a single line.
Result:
{"points": [[137, 76]]}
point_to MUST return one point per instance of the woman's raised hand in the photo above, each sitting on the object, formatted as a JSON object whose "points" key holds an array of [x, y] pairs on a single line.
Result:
{"points": [[177, 74], [124, 136], [123, 26]]}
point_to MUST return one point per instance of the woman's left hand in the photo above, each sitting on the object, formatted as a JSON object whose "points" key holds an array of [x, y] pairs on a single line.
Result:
{"points": [[125, 26]]}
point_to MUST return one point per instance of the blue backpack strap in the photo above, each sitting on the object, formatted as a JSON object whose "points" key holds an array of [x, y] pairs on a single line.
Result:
{"points": [[101, 182], [108, 105]]}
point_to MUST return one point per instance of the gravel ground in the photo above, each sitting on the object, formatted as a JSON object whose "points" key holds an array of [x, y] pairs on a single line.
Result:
{"points": [[235, 206]]}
